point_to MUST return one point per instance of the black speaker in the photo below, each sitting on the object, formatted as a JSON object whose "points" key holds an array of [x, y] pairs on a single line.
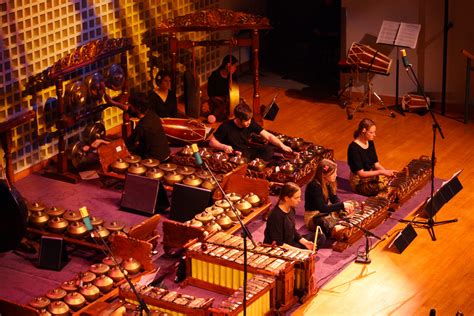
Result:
{"points": [[144, 195], [271, 111], [187, 201], [404, 238], [53, 253]]}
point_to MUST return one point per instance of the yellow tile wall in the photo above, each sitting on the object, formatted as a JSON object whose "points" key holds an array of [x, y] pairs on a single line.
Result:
{"points": [[34, 34]]}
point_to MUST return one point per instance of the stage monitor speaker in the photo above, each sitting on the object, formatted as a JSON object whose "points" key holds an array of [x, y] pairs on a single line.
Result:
{"points": [[143, 195], [187, 201], [271, 110], [53, 253], [404, 238]]}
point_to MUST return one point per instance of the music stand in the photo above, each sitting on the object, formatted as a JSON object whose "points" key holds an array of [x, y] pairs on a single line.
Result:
{"points": [[400, 35], [271, 111], [434, 203]]}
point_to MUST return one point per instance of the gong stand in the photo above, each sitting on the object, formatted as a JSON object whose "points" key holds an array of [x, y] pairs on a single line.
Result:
{"points": [[6, 129], [214, 20], [85, 55]]}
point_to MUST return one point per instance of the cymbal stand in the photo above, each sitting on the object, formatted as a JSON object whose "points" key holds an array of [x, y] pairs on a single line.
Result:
{"points": [[367, 99]]}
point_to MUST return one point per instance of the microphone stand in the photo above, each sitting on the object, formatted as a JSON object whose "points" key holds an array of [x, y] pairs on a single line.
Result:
{"points": [[430, 223], [245, 233], [367, 233], [142, 305]]}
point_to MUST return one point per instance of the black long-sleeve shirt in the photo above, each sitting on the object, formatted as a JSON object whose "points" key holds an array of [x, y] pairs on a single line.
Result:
{"points": [[281, 228], [148, 139], [164, 108], [314, 199], [360, 158]]}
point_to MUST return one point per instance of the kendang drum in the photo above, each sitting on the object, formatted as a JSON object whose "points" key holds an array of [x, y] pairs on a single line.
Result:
{"points": [[184, 131], [368, 59], [415, 103]]}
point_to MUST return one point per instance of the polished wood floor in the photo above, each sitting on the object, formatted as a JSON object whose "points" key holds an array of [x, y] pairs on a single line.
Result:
{"points": [[429, 274]]}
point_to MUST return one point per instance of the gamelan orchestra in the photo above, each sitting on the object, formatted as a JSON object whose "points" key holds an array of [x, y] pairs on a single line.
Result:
{"points": [[221, 170]]}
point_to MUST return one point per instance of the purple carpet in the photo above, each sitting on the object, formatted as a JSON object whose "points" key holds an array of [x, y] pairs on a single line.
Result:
{"points": [[21, 281]]}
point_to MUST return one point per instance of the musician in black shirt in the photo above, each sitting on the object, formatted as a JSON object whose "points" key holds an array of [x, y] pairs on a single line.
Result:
{"points": [[218, 88], [322, 205], [234, 134], [162, 99], [368, 176], [281, 227], [148, 139]]}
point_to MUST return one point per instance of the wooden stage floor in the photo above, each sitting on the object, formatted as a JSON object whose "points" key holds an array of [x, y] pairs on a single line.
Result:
{"points": [[429, 274]]}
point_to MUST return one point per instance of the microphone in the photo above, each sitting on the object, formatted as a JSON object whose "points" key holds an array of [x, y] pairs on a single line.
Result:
{"points": [[86, 219], [196, 154], [405, 58]]}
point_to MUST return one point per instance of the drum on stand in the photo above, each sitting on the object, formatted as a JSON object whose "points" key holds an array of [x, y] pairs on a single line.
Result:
{"points": [[368, 59]]}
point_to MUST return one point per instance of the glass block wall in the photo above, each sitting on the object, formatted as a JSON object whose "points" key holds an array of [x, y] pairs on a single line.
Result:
{"points": [[34, 34]]}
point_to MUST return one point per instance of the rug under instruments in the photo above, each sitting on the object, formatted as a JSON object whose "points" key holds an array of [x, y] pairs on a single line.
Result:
{"points": [[22, 281]]}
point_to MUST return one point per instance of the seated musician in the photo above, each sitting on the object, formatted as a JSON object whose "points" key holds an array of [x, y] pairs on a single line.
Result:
{"points": [[368, 176], [148, 139], [281, 227], [218, 88], [321, 200], [234, 134], [162, 99]]}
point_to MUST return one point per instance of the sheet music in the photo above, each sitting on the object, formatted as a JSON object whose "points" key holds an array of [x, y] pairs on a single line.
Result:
{"points": [[399, 34], [388, 32], [408, 35]]}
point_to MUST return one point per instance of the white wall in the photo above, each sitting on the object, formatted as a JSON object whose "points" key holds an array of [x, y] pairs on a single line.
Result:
{"points": [[364, 17]]}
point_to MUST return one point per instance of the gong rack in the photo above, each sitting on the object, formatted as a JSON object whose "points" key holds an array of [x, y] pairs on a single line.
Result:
{"points": [[124, 248], [213, 20], [304, 163], [179, 235], [82, 56], [145, 231]]}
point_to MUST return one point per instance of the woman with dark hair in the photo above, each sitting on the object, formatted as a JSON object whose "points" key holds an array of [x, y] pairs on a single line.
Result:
{"points": [[281, 227], [368, 176], [321, 200], [162, 99], [218, 88]]}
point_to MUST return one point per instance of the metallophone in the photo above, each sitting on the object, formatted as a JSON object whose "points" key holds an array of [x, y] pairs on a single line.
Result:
{"points": [[218, 264], [374, 210], [260, 298]]}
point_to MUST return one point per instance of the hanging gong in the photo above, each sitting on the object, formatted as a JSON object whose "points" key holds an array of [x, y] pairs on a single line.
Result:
{"points": [[115, 77], [94, 86], [75, 96], [93, 132]]}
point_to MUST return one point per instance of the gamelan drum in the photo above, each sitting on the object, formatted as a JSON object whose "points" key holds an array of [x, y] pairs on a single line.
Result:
{"points": [[414, 103], [368, 59]]}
